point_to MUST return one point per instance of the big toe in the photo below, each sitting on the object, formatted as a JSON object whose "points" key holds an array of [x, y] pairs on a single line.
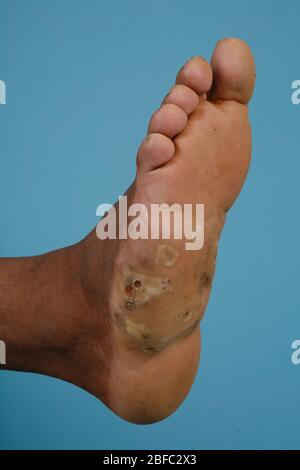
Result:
{"points": [[233, 71]]}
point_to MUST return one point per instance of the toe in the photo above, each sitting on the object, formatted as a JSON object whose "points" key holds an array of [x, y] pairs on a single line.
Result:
{"points": [[196, 74], [184, 97], [168, 120], [155, 150], [233, 71]]}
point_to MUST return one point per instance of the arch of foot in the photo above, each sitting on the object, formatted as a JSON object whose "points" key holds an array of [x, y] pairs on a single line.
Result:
{"points": [[160, 296]]}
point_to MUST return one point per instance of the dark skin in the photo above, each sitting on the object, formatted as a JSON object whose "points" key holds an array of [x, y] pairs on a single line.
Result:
{"points": [[50, 317], [67, 313]]}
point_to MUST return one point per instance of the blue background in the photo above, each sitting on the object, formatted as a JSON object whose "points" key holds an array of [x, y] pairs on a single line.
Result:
{"points": [[82, 79]]}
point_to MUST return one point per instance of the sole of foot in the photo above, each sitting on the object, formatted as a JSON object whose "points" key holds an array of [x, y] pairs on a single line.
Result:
{"points": [[197, 151]]}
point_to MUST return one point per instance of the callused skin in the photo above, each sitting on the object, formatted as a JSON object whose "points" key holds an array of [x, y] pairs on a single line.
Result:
{"points": [[120, 318]]}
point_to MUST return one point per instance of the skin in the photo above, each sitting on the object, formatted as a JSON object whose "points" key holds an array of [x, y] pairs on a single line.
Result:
{"points": [[120, 318]]}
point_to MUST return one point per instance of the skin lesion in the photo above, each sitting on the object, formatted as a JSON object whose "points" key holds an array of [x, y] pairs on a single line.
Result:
{"points": [[137, 330], [205, 279], [166, 255], [142, 336], [139, 289], [50, 305], [184, 316], [206, 270]]}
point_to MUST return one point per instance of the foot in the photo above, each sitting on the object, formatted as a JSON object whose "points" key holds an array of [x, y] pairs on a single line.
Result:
{"points": [[134, 337], [197, 151]]}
